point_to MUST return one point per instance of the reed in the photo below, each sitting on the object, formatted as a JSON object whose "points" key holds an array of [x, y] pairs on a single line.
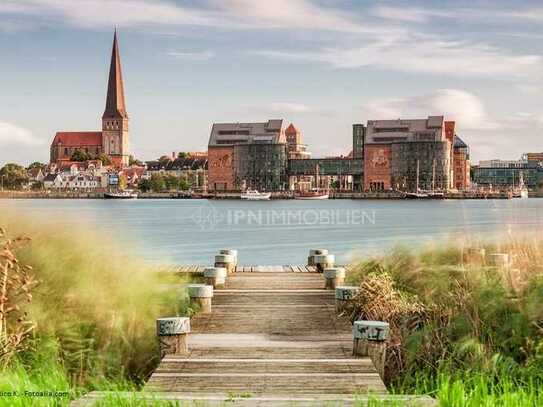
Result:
{"points": [[93, 312], [461, 328]]}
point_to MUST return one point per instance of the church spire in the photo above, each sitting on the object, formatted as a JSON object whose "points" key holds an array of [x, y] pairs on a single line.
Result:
{"points": [[115, 106]]}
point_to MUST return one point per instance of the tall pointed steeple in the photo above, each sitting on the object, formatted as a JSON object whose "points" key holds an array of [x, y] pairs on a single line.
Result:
{"points": [[115, 105]]}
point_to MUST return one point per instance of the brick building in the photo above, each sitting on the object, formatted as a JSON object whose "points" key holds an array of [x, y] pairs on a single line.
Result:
{"points": [[406, 154], [461, 165], [114, 139], [247, 156]]}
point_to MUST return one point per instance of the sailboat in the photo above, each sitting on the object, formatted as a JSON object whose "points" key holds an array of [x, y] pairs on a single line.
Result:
{"points": [[314, 193], [435, 194], [418, 194], [523, 191]]}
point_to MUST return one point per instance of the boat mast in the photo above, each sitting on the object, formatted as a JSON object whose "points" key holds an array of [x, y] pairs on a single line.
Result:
{"points": [[417, 186], [433, 175]]}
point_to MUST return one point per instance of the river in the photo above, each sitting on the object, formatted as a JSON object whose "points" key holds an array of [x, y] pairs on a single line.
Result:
{"points": [[281, 232]]}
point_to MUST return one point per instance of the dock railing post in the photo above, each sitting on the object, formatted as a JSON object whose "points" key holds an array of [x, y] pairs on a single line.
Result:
{"points": [[227, 261], [215, 276], [172, 335], [313, 253], [200, 296], [324, 261], [231, 252], [344, 296], [369, 339], [333, 277]]}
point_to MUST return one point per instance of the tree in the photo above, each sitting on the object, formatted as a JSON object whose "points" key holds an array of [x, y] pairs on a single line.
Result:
{"points": [[105, 159], [80, 155], [13, 176], [171, 182], [157, 183], [182, 155], [145, 185], [184, 184], [123, 183], [36, 164]]}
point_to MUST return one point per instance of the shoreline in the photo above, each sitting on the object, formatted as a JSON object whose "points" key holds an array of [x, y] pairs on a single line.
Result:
{"points": [[236, 195]]}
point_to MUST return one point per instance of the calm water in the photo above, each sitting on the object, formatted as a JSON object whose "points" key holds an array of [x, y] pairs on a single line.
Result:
{"points": [[281, 232]]}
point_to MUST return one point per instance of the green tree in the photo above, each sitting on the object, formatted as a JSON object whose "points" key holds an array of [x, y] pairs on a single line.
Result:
{"points": [[123, 183], [171, 182], [80, 155], [105, 159], [36, 164], [184, 184], [145, 185], [157, 183], [13, 176], [182, 155]]}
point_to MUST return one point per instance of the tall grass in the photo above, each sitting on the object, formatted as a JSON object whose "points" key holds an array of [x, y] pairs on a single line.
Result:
{"points": [[94, 312], [462, 329]]}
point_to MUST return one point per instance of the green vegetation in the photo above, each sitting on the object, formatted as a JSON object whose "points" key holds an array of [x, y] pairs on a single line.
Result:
{"points": [[13, 176], [164, 183], [80, 155], [79, 313], [463, 331]]}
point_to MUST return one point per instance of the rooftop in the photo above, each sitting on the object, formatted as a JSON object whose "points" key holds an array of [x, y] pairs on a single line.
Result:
{"points": [[246, 133]]}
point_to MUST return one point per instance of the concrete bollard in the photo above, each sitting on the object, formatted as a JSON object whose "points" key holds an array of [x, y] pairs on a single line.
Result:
{"points": [[172, 335], [201, 295], [333, 277], [227, 261], [313, 253], [345, 295], [499, 260], [324, 261], [369, 339], [231, 252], [215, 276]]}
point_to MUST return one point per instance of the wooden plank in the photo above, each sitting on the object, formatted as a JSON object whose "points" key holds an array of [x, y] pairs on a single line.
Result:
{"points": [[272, 333]]}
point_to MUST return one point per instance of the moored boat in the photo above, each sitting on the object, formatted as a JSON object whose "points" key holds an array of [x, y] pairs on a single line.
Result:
{"points": [[121, 195], [253, 195], [312, 194]]}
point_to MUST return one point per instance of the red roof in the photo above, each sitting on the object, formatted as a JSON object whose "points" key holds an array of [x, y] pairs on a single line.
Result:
{"points": [[78, 138], [291, 129]]}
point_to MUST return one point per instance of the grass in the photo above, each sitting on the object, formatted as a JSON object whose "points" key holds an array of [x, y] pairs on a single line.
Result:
{"points": [[94, 310], [464, 331]]}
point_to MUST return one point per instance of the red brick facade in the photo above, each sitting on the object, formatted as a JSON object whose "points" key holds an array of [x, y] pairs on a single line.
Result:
{"points": [[461, 171], [220, 168], [377, 167]]}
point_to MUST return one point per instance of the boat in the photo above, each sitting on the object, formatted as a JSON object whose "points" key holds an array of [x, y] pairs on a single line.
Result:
{"points": [[418, 194], [121, 195], [523, 191], [254, 195], [314, 193]]}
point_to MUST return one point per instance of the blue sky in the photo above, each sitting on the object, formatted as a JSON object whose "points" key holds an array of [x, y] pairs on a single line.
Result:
{"points": [[322, 64]]}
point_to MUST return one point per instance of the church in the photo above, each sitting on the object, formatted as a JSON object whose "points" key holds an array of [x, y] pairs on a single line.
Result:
{"points": [[113, 140]]}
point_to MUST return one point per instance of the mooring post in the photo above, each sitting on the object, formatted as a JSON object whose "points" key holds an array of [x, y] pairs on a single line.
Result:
{"points": [[215, 276], [313, 253], [333, 277], [201, 295], [344, 296], [227, 261], [172, 335], [324, 261], [369, 339], [231, 252], [499, 260]]}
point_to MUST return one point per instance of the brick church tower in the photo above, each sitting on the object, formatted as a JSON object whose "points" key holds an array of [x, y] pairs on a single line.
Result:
{"points": [[115, 136]]}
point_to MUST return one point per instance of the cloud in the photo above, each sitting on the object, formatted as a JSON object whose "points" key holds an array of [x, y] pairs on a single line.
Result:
{"points": [[235, 14], [409, 14], [424, 54], [465, 108], [13, 134], [192, 56]]}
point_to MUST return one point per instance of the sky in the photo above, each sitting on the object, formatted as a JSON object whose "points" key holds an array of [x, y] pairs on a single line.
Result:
{"points": [[320, 64]]}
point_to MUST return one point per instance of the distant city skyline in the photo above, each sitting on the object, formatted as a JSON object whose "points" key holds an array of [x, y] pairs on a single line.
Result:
{"points": [[323, 65]]}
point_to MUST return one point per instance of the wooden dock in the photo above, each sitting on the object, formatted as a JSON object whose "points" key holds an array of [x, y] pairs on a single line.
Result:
{"points": [[272, 338]]}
